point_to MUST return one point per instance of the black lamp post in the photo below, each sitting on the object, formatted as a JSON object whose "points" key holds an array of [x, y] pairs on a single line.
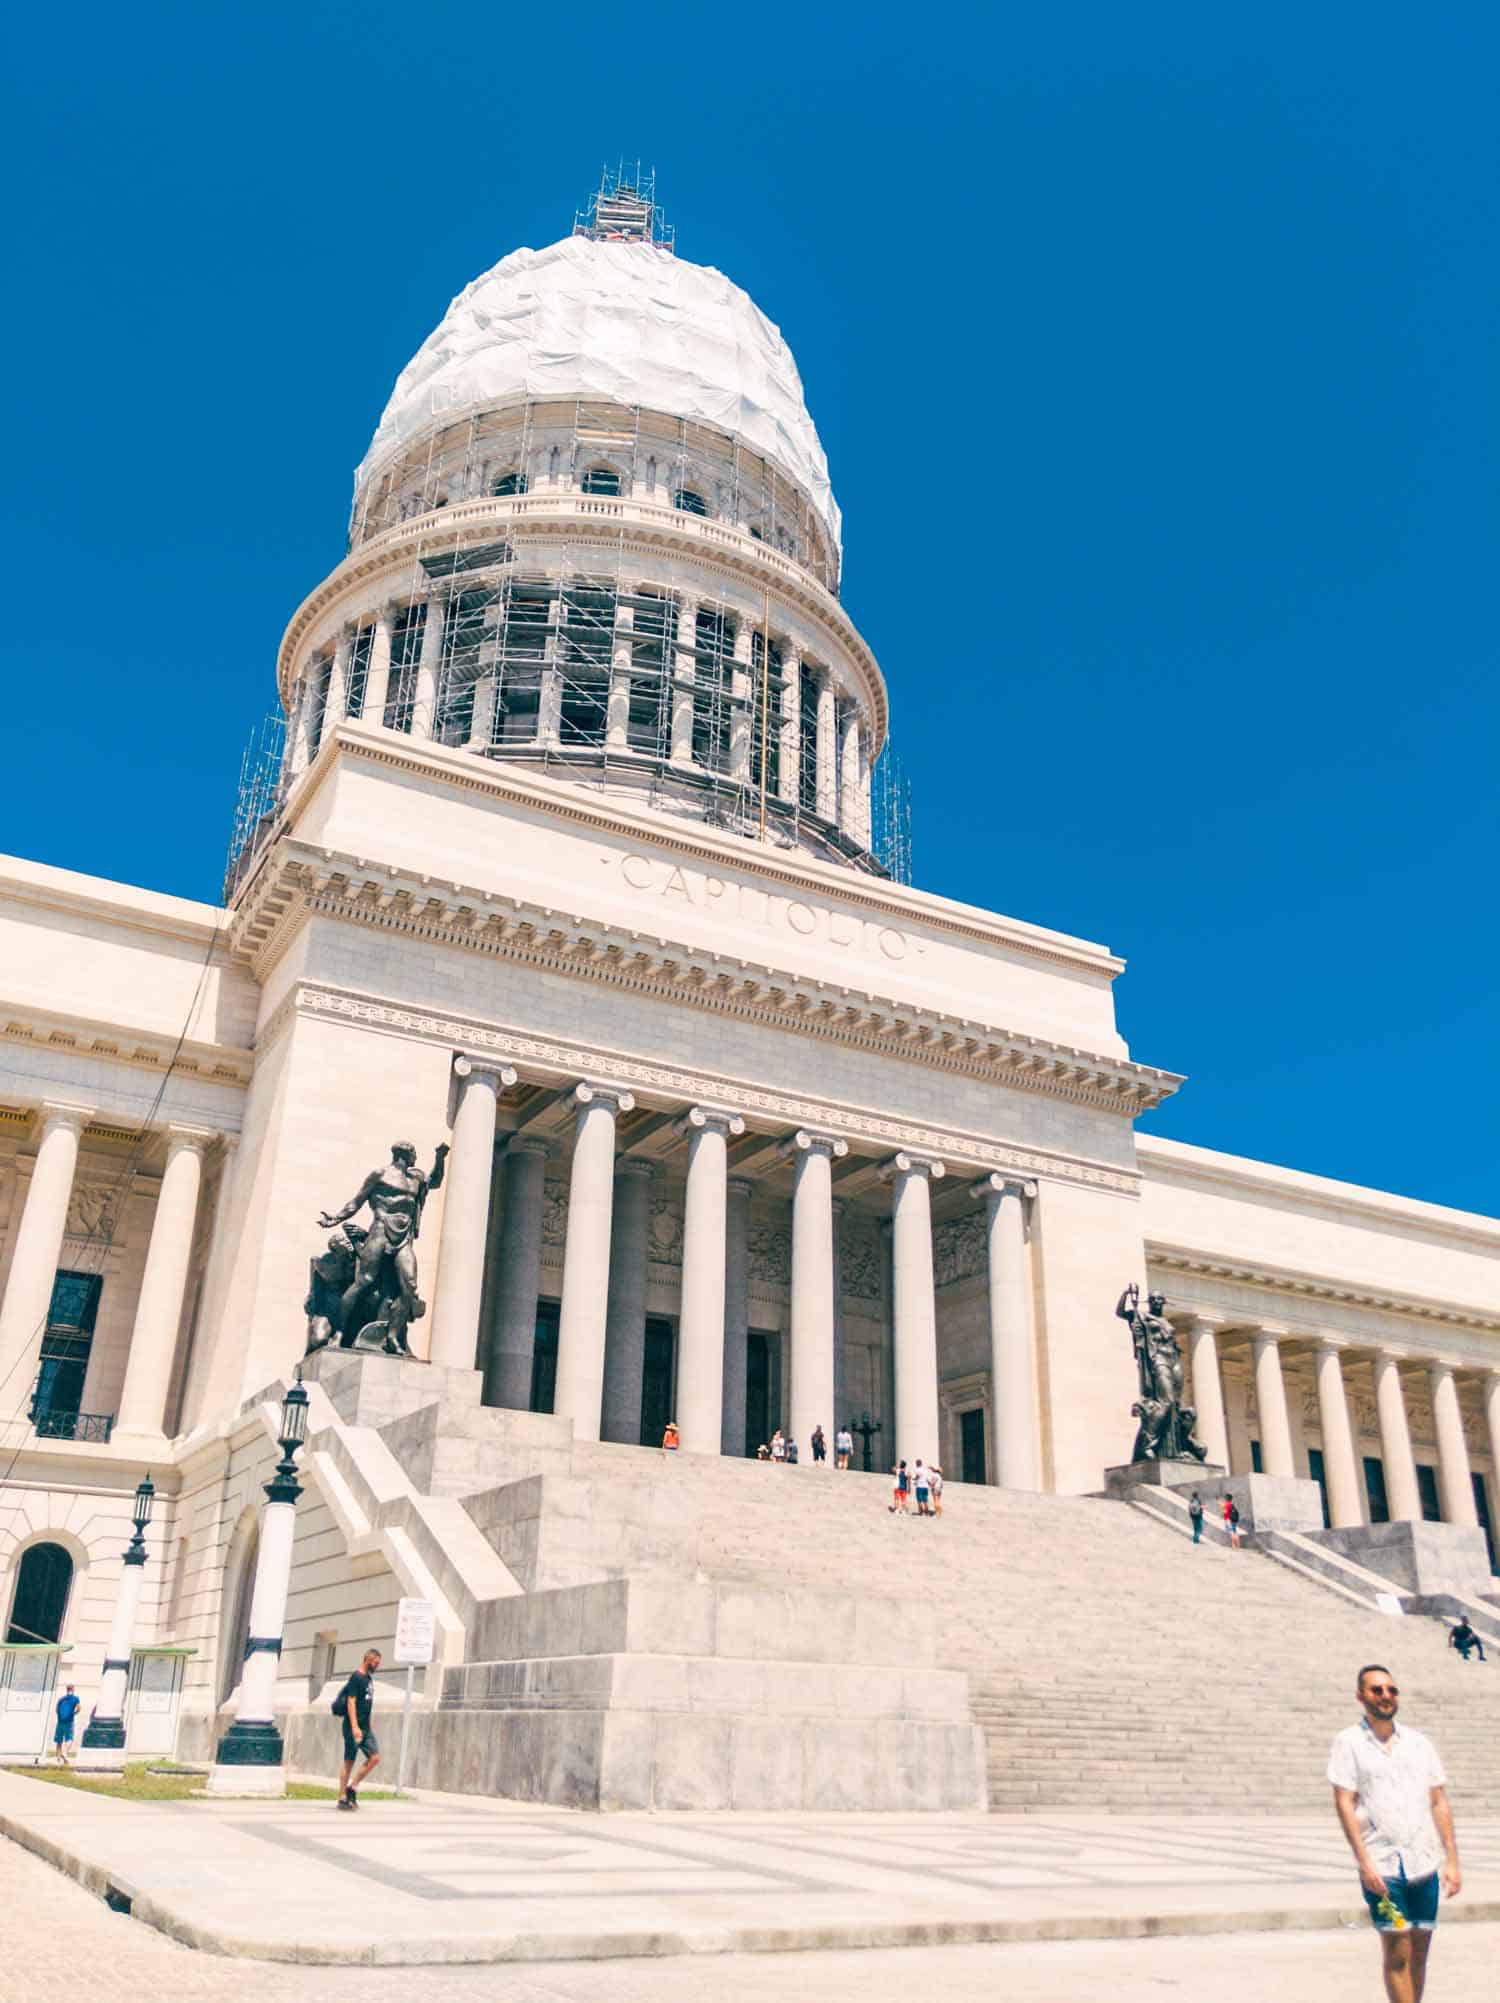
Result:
{"points": [[104, 1735], [252, 1754]]}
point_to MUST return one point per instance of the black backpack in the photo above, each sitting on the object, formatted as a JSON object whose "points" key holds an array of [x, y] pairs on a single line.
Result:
{"points": [[340, 1704]]}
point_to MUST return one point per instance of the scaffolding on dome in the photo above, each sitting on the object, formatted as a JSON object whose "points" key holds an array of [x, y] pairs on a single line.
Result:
{"points": [[890, 814], [622, 209]]}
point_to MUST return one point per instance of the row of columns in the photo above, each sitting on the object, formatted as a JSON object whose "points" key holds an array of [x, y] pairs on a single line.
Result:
{"points": [[38, 1254], [601, 1328], [843, 778], [1340, 1454]]}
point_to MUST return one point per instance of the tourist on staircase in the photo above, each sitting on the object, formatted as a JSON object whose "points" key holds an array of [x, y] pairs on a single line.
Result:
{"points": [[843, 1446], [1465, 1640], [819, 1444]]}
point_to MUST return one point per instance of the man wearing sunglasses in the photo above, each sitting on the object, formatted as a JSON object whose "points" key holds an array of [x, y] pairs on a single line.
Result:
{"points": [[1391, 1796]]}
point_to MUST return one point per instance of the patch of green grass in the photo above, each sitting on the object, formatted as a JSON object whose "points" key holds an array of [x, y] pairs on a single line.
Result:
{"points": [[140, 1783]]}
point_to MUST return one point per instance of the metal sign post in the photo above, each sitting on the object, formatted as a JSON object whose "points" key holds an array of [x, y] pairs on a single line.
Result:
{"points": [[416, 1625]]}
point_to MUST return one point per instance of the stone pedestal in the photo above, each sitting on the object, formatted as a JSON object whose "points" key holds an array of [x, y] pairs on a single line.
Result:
{"points": [[1164, 1474]]}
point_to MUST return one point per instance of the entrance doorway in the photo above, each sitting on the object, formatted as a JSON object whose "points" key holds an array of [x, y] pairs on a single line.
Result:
{"points": [[657, 1376], [1380, 1508], [762, 1388], [544, 1356], [971, 1446]]}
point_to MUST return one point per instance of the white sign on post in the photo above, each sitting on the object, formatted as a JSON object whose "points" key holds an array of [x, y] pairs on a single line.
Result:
{"points": [[416, 1627]]}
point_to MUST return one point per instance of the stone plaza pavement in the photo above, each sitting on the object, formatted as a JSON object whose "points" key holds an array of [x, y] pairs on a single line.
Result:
{"points": [[59, 1940], [454, 1879]]}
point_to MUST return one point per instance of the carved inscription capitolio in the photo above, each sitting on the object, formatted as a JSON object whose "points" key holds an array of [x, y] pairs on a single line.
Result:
{"points": [[762, 910]]}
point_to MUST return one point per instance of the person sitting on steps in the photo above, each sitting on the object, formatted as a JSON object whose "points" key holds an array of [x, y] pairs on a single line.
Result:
{"points": [[1464, 1639]]}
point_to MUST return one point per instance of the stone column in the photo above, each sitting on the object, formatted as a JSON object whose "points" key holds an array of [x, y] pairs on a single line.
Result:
{"points": [[1455, 1484], [791, 724], [1491, 1394], [512, 1332], [466, 1214], [1270, 1402], [378, 674], [1402, 1495], [424, 709], [1340, 1466], [1012, 1345], [828, 754], [737, 1315], [585, 1295], [812, 1303], [743, 699], [684, 665], [866, 774], [482, 716], [849, 787], [617, 710], [625, 1314], [337, 703], [158, 1314], [1202, 1332], [700, 1339], [918, 1435], [39, 1237]]}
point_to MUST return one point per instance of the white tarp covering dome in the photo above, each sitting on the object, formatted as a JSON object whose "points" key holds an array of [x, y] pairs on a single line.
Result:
{"points": [[626, 322]]}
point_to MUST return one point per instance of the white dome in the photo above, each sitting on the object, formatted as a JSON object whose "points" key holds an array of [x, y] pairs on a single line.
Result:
{"points": [[625, 322]]}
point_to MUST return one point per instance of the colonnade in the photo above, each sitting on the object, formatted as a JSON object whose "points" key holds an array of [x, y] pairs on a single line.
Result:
{"points": [[1268, 1344], [601, 1330], [38, 1253], [842, 769]]}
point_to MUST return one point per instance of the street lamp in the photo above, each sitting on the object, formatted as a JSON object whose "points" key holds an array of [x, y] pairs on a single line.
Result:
{"points": [[252, 1754], [104, 1735]]}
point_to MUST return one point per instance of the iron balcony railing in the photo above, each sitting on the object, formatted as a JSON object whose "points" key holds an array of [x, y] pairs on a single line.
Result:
{"points": [[53, 1424]]}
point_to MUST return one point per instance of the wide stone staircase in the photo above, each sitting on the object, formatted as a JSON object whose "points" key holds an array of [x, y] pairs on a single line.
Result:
{"points": [[1111, 1664]]}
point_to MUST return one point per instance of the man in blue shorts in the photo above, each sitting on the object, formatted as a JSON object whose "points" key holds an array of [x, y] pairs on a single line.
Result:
{"points": [[67, 1712], [1391, 1797]]}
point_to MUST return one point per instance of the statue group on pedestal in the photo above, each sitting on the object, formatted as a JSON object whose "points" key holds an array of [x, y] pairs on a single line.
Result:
{"points": [[1165, 1431], [362, 1290]]}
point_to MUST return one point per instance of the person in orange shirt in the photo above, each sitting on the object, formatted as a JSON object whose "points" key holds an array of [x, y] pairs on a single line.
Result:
{"points": [[670, 1441]]}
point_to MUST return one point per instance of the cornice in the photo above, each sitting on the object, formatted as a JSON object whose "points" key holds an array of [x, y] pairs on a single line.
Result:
{"points": [[333, 885], [120, 905], [560, 1060], [585, 521], [92, 1037], [1318, 1287]]}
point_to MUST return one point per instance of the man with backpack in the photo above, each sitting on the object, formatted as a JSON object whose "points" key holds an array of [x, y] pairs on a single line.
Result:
{"points": [[353, 1707]]}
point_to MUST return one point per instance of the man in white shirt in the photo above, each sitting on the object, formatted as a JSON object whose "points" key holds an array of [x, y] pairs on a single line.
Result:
{"points": [[843, 1446], [1390, 1794]]}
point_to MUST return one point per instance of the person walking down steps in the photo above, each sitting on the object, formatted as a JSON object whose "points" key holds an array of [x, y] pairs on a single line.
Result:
{"points": [[1195, 1511]]}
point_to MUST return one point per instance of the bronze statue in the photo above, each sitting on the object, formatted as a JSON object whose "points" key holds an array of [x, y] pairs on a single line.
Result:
{"points": [[1165, 1431], [363, 1289]]}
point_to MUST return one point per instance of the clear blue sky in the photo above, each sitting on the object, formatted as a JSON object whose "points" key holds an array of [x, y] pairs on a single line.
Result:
{"points": [[1154, 354]]}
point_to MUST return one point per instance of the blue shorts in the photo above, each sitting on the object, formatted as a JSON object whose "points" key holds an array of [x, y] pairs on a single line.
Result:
{"points": [[1415, 1899], [362, 1749], [63, 1736]]}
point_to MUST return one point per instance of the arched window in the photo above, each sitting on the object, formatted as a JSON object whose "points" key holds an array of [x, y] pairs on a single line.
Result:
{"points": [[509, 483], [689, 502], [44, 1578], [601, 480]]}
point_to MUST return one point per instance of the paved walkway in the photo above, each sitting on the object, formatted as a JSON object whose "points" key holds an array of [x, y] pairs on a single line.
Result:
{"points": [[450, 1878], [60, 1941]]}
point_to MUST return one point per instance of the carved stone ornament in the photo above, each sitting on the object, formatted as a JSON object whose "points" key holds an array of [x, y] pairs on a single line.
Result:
{"points": [[665, 1244], [555, 1211], [94, 1209], [958, 1248], [860, 1263], [770, 1249]]}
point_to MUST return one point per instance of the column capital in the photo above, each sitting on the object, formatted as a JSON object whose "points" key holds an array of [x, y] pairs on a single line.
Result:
{"points": [[1265, 1331], [640, 1166], [526, 1144], [927, 1166], [998, 1185], [63, 1113], [587, 1093], [1330, 1345], [805, 1142], [740, 1185], [505, 1075], [709, 1119], [1191, 1319], [183, 1139]]}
